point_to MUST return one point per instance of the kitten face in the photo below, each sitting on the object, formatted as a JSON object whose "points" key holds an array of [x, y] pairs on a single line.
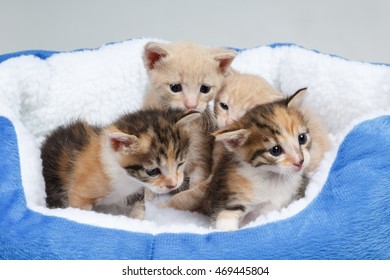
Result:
{"points": [[273, 137], [240, 93], [185, 75], [161, 170], [157, 150]]}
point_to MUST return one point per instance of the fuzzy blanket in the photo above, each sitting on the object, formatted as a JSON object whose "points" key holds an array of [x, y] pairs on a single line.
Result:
{"points": [[345, 214]]}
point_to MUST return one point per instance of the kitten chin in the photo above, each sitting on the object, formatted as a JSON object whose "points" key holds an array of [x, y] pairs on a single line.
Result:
{"points": [[86, 166]]}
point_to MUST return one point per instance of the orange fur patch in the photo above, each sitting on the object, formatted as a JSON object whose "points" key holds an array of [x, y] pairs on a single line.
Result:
{"points": [[89, 181], [241, 185]]}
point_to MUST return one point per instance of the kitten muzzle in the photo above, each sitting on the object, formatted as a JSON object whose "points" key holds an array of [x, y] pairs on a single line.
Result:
{"points": [[298, 165]]}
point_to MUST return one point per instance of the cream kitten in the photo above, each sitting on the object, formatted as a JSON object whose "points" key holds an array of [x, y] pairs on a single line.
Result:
{"points": [[184, 75], [239, 93]]}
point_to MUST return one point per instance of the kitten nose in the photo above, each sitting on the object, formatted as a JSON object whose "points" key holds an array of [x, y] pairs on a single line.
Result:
{"points": [[170, 183], [190, 106], [299, 164]]}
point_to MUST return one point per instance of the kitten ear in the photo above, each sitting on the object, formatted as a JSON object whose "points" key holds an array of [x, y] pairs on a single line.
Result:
{"points": [[296, 100], [122, 142], [188, 117], [232, 139], [153, 52], [225, 57]]}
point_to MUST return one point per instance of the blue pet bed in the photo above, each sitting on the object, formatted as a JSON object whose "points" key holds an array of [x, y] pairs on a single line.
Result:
{"points": [[347, 214]]}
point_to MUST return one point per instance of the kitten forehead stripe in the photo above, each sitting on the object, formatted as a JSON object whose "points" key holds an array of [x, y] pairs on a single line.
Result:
{"points": [[257, 153], [134, 167], [262, 126]]}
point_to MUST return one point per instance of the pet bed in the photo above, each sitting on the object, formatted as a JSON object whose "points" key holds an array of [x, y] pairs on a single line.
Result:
{"points": [[345, 214]]}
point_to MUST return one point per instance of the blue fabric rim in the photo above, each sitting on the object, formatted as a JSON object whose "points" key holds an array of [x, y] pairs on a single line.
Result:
{"points": [[31, 235]]}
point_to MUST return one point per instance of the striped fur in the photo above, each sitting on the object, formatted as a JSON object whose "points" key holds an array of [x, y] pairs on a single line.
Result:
{"points": [[86, 166]]}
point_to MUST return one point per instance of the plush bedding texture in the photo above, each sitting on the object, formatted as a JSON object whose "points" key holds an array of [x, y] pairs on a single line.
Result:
{"points": [[344, 215]]}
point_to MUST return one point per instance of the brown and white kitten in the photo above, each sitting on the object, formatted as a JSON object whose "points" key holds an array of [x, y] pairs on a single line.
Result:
{"points": [[188, 76], [86, 166], [260, 165], [242, 92]]}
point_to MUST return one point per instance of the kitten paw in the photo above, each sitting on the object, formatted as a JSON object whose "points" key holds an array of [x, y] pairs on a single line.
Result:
{"points": [[164, 204], [228, 220], [138, 211], [227, 224]]}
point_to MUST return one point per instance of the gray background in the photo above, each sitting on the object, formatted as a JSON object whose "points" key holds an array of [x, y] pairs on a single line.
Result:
{"points": [[357, 30]]}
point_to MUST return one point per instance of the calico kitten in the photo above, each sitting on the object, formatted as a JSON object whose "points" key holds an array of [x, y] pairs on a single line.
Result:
{"points": [[242, 92], [260, 165], [86, 166]]}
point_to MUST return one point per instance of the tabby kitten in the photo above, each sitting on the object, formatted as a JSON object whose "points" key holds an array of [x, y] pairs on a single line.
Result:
{"points": [[86, 166], [242, 92], [260, 165]]}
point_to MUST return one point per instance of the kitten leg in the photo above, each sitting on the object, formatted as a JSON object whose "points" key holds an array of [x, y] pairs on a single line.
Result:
{"points": [[185, 200], [228, 220], [188, 200], [149, 195], [137, 211], [76, 201]]}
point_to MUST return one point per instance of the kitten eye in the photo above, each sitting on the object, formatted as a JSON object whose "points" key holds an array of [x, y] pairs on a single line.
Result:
{"points": [[153, 172], [276, 150], [224, 106], [205, 89], [180, 164], [302, 138], [175, 87]]}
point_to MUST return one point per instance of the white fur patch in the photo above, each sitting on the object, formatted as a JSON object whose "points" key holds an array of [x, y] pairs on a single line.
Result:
{"points": [[228, 220], [122, 185], [274, 189]]}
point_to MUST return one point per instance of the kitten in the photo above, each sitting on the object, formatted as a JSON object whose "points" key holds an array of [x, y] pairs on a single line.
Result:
{"points": [[261, 163], [242, 92], [188, 76], [86, 166], [184, 75]]}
